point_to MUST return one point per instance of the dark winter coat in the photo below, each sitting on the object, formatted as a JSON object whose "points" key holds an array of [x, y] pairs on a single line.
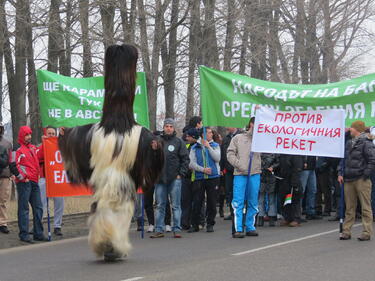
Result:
{"points": [[268, 179], [359, 158], [5, 151], [290, 167], [224, 164], [176, 158], [310, 162]]}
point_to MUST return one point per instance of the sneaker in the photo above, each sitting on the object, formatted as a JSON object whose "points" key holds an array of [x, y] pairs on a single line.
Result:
{"points": [[150, 228], [177, 235], [41, 238], [168, 228], [210, 228], [57, 231], [4, 229], [157, 235], [238, 235], [193, 229], [252, 233], [27, 240]]}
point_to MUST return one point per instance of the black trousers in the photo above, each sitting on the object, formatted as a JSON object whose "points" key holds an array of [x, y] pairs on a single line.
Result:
{"points": [[290, 212], [149, 208], [186, 203], [200, 187], [323, 189]]}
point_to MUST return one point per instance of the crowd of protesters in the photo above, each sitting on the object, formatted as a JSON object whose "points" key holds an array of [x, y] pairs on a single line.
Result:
{"points": [[203, 171]]}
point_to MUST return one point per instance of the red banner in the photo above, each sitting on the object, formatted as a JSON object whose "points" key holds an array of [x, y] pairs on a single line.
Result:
{"points": [[57, 182]]}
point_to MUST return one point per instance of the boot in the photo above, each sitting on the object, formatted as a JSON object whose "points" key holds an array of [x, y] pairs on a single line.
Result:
{"points": [[260, 221], [221, 212], [272, 221]]}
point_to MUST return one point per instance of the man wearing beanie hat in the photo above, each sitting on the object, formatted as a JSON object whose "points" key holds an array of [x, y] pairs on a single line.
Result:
{"points": [[359, 165], [176, 166]]}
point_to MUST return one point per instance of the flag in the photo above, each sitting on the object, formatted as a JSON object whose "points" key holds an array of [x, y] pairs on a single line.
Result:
{"points": [[288, 199]]}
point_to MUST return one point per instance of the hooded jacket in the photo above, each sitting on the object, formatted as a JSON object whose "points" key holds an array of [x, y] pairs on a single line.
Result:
{"points": [[27, 162], [5, 151], [238, 155]]}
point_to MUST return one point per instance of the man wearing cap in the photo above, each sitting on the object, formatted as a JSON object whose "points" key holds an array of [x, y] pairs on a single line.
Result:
{"points": [[359, 165], [5, 184], [176, 166]]}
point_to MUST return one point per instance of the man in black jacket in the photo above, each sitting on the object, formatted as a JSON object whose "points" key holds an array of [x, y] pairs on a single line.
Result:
{"points": [[359, 164], [176, 166]]}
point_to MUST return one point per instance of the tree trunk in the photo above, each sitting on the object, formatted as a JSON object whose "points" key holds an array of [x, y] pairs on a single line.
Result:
{"points": [[128, 20], [195, 30], [169, 58], [245, 39], [66, 66], [299, 45], [107, 13], [272, 39], [210, 49], [229, 37], [54, 27], [84, 22], [18, 102], [9, 66], [34, 114]]}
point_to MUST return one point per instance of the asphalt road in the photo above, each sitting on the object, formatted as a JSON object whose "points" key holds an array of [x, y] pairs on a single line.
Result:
{"points": [[310, 252]]}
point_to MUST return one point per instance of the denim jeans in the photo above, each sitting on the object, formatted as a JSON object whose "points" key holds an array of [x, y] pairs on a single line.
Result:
{"points": [[308, 180], [29, 192], [373, 193], [162, 191]]}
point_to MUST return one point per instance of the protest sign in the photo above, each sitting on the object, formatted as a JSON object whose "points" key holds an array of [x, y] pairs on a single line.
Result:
{"points": [[315, 133], [57, 182], [229, 99], [69, 102]]}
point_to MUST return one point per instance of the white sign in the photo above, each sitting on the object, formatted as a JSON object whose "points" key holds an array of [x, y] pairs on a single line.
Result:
{"points": [[315, 133]]}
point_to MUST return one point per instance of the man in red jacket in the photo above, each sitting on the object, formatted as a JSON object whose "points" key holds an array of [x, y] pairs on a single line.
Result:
{"points": [[27, 187]]}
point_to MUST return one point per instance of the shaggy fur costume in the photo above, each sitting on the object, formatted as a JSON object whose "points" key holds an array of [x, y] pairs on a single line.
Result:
{"points": [[114, 157]]}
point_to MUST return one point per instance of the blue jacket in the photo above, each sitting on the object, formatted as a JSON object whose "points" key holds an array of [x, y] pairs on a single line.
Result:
{"points": [[199, 160]]}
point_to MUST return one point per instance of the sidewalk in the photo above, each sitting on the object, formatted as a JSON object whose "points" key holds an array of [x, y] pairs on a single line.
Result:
{"points": [[73, 226]]}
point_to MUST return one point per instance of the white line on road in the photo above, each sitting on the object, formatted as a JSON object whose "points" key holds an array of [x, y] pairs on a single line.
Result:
{"points": [[133, 279], [288, 242]]}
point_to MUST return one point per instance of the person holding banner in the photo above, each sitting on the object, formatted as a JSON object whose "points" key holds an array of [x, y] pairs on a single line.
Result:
{"points": [[290, 188], [355, 172], [204, 161], [58, 202], [247, 170]]}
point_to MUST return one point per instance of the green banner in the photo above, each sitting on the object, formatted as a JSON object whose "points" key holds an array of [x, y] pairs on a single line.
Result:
{"points": [[229, 99], [68, 102]]}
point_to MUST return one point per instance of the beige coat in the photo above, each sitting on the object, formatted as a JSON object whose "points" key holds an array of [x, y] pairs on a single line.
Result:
{"points": [[238, 155]]}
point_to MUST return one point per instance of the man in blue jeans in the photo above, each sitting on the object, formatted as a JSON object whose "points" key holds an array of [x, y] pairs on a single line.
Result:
{"points": [[176, 166], [27, 175], [247, 170], [309, 188]]}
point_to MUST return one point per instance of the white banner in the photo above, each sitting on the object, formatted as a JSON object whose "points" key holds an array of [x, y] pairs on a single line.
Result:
{"points": [[315, 133]]}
